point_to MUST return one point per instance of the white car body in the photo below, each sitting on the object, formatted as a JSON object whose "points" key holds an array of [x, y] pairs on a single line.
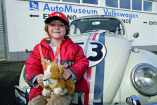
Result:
{"points": [[113, 65]]}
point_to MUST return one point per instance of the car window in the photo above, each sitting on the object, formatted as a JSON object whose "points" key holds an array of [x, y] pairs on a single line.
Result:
{"points": [[90, 24]]}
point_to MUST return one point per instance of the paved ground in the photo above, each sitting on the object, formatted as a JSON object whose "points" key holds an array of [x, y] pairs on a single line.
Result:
{"points": [[9, 76]]}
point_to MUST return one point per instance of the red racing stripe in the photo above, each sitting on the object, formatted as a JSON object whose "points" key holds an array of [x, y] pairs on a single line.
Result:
{"points": [[94, 37], [88, 78]]}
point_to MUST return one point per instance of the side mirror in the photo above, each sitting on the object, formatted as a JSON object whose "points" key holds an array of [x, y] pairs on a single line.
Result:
{"points": [[136, 35]]}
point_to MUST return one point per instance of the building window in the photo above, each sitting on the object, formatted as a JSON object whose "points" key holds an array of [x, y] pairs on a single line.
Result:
{"points": [[112, 3], [147, 6], [73, 1], [137, 5], [155, 7], [125, 4], [90, 1]]}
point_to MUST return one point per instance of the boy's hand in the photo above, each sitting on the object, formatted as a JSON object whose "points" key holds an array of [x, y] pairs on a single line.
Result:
{"points": [[66, 74], [40, 80]]}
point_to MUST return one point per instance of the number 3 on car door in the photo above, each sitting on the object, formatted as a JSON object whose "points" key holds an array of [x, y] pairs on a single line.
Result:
{"points": [[96, 52]]}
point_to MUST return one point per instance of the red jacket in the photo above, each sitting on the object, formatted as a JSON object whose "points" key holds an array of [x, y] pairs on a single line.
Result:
{"points": [[72, 57]]}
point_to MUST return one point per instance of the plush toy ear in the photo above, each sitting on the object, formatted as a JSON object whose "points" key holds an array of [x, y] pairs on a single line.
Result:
{"points": [[61, 68], [47, 64]]}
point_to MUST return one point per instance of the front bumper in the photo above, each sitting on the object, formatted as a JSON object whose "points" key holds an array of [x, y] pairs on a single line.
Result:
{"points": [[133, 100]]}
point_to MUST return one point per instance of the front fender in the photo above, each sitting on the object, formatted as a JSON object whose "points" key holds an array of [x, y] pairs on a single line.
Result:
{"points": [[126, 87]]}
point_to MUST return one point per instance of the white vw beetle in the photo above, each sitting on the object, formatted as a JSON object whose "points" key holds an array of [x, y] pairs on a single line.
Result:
{"points": [[118, 73]]}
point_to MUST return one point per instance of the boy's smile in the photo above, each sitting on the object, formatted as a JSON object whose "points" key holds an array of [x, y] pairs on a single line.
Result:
{"points": [[56, 29]]}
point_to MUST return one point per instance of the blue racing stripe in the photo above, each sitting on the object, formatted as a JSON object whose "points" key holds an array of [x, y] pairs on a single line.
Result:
{"points": [[99, 76]]}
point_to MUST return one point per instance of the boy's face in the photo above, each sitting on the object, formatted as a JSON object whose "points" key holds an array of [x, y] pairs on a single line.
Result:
{"points": [[56, 29]]}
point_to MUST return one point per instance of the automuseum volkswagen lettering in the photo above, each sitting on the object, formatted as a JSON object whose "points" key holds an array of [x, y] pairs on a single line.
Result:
{"points": [[142, 20]]}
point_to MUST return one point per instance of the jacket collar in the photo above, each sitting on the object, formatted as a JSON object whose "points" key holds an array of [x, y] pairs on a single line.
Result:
{"points": [[66, 42], [46, 43]]}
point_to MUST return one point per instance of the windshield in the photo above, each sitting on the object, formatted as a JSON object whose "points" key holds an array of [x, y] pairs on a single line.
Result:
{"points": [[95, 24]]}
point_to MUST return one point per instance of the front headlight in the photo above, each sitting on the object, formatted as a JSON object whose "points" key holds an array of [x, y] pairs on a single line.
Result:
{"points": [[144, 78]]}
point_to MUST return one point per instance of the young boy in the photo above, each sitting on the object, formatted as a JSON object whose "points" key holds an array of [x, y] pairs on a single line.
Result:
{"points": [[68, 54]]}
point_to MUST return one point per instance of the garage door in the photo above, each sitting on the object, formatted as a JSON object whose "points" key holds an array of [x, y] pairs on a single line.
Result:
{"points": [[2, 43]]}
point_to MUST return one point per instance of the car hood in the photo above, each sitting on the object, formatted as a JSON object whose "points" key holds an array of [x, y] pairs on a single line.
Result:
{"points": [[108, 56]]}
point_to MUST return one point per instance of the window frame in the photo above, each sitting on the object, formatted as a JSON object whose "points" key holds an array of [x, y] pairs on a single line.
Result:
{"points": [[141, 6], [125, 8], [144, 6], [112, 6]]}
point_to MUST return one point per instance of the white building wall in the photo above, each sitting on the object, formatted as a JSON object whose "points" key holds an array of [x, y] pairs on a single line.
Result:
{"points": [[24, 32], [155, 7]]}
